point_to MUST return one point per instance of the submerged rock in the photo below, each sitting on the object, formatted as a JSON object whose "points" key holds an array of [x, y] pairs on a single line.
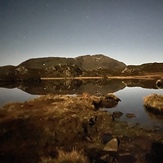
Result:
{"points": [[154, 103]]}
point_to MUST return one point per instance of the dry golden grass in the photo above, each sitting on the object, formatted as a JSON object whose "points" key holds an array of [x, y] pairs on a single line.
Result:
{"points": [[67, 157]]}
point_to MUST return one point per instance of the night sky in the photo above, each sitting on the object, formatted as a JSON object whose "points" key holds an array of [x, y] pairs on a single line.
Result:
{"points": [[130, 31]]}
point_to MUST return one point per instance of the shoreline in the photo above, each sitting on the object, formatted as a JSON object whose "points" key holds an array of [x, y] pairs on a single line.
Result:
{"points": [[143, 77]]}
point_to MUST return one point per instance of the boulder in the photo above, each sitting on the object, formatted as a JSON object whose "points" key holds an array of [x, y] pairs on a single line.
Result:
{"points": [[154, 103]]}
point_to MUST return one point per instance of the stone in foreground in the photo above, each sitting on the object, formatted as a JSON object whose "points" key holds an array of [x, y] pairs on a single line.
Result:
{"points": [[112, 145]]}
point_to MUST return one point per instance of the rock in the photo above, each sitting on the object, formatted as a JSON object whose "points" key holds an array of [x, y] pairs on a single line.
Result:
{"points": [[117, 114], [111, 96], [154, 103], [159, 83], [110, 100], [130, 115], [112, 145]]}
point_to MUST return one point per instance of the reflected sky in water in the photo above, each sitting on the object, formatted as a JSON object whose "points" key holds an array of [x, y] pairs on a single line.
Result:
{"points": [[132, 102], [13, 95]]}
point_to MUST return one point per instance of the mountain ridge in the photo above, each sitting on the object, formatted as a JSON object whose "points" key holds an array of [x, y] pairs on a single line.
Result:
{"points": [[97, 65]]}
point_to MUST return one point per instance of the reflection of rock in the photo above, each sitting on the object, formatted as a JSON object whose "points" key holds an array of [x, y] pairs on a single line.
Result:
{"points": [[156, 117], [154, 103]]}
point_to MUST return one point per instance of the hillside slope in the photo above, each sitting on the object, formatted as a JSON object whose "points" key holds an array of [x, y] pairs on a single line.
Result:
{"points": [[87, 65], [97, 65]]}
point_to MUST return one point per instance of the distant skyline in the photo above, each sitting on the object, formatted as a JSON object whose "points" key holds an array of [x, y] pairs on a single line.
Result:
{"points": [[130, 31]]}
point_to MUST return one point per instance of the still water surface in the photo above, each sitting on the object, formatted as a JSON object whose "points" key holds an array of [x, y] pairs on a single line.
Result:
{"points": [[14, 95], [131, 102]]}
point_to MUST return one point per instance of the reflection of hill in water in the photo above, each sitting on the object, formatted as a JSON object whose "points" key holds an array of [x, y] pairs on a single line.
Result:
{"points": [[101, 86], [79, 86], [140, 83], [74, 87]]}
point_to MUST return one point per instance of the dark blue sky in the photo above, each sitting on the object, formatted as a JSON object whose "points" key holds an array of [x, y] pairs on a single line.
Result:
{"points": [[127, 30]]}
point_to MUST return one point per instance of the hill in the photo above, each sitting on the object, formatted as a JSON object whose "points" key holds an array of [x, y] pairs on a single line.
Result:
{"points": [[97, 65]]}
